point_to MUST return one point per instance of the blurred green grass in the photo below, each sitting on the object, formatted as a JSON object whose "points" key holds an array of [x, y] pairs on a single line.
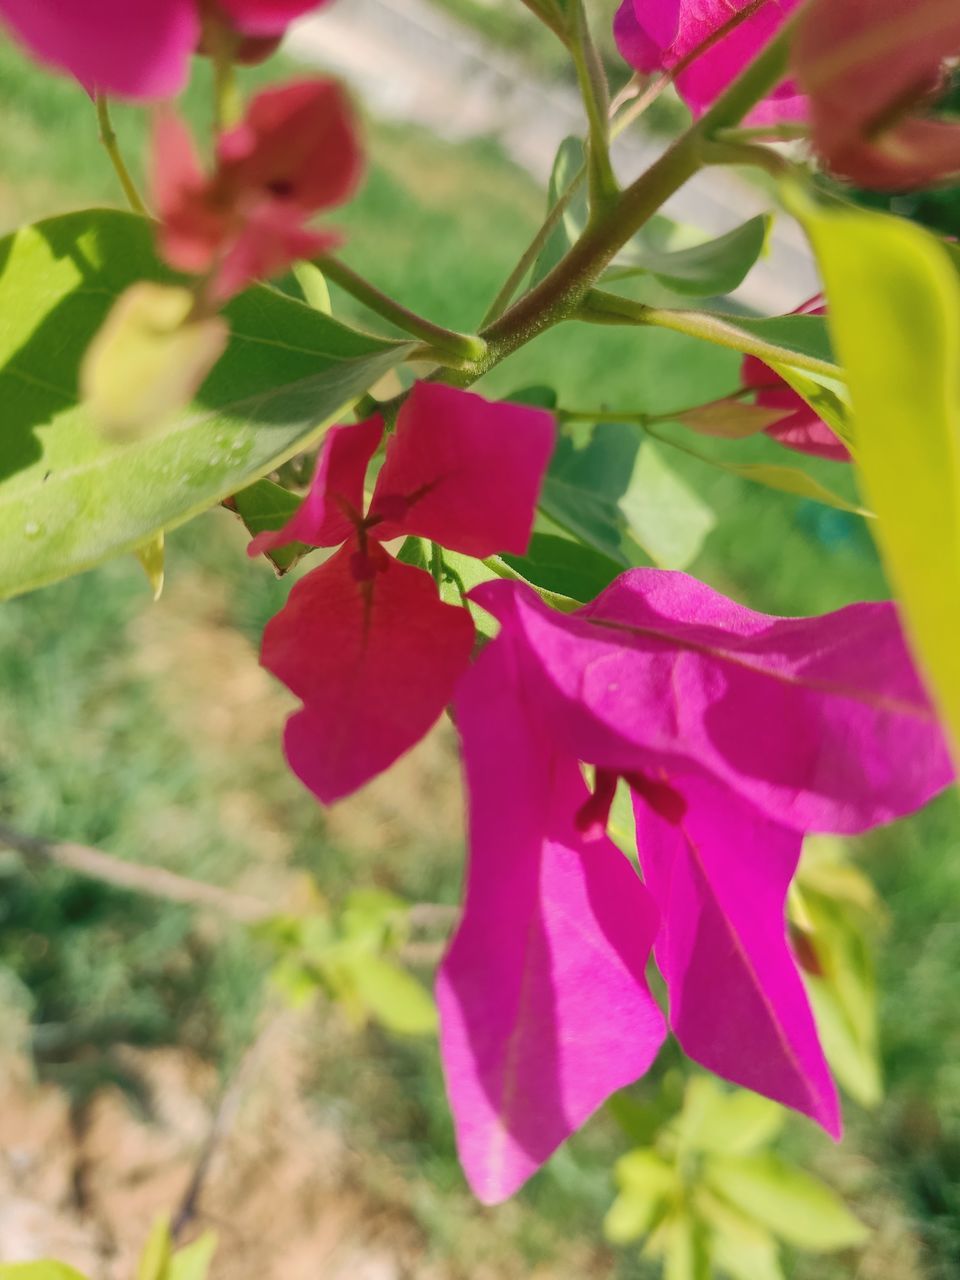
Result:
{"points": [[95, 744]]}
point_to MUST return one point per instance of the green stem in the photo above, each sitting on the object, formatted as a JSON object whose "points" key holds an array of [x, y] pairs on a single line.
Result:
{"points": [[461, 346], [564, 604], [112, 148], [607, 308], [559, 295], [640, 419], [596, 100], [748, 153]]}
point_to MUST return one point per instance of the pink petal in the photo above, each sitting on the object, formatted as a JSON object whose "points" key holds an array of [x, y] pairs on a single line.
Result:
{"points": [[737, 1002], [271, 239], [135, 50], [663, 35], [333, 508], [821, 723], [297, 143], [464, 471], [192, 228], [374, 655], [544, 1005], [800, 428], [266, 17]]}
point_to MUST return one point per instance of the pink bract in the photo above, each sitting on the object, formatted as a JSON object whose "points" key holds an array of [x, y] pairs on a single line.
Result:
{"points": [[737, 733], [265, 17], [800, 427], [666, 35], [137, 50], [364, 640]]}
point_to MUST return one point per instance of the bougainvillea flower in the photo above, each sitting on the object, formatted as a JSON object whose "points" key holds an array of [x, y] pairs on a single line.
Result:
{"points": [[800, 428], [704, 44], [294, 153], [871, 69], [365, 641], [737, 733], [135, 50], [139, 50]]}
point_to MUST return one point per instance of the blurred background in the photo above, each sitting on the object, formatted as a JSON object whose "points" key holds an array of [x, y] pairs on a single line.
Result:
{"points": [[131, 1026]]}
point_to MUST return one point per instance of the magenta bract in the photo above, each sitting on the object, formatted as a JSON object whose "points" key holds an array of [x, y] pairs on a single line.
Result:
{"points": [[737, 733], [704, 44]]}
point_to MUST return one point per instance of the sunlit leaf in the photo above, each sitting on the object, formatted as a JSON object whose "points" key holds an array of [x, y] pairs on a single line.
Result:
{"points": [[667, 518], [566, 567], [739, 1247], [69, 498], [793, 1205], [727, 1122], [194, 1260], [151, 557], [156, 1251], [313, 285], [38, 1271], [266, 505], [392, 995], [894, 301], [792, 480], [647, 1185]]}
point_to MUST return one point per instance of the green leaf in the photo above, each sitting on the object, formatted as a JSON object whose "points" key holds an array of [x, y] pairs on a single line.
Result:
{"points": [[725, 1122], [739, 1248], [791, 480], [156, 1252], [151, 557], [704, 270], [392, 995], [38, 1271], [844, 996], [266, 505], [313, 285], [895, 317], [69, 498], [566, 567], [194, 1260], [570, 159], [668, 519], [584, 485], [790, 1203], [648, 1184], [807, 335], [687, 1254]]}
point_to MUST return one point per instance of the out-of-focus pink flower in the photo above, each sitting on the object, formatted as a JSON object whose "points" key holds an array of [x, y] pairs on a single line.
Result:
{"points": [[737, 733], [872, 69], [365, 641], [294, 153], [705, 44], [800, 428], [136, 48]]}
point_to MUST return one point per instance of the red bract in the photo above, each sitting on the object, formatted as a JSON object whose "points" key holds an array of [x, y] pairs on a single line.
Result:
{"points": [[871, 68], [799, 428], [364, 640], [294, 153], [264, 17]]}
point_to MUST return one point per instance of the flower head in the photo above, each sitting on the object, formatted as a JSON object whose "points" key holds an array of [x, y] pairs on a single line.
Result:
{"points": [[704, 44], [736, 734], [294, 153], [365, 640]]}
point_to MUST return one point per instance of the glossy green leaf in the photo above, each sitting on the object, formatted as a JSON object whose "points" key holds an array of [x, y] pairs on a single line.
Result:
{"points": [[667, 518], [894, 301], [69, 498], [793, 1205], [393, 996], [583, 488], [807, 335], [266, 505], [703, 270], [569, 160], [566, 567]]}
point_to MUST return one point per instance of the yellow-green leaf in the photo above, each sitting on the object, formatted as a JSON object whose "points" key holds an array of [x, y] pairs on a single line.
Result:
{"points": [[894, 307], [792, 480], [156, 1251], [151, 557], [38, 1271], [392, 995], [194, 1260]]}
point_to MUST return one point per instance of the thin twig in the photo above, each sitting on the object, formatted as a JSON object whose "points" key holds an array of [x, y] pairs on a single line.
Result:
{"points": [[155, 882], [112, 148]]}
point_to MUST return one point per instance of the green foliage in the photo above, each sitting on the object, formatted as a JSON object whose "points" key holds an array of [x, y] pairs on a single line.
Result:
{"points": [[162, 1260], [708, 1199], [566, 567], [38, 1271], [69, 498], [267, 505], [349, 960], [704, 270]]}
